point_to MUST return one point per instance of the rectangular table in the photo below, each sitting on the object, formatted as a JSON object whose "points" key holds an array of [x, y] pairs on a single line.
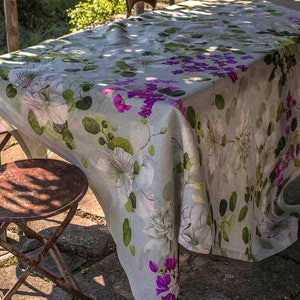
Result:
{"points": [[185, 121]]}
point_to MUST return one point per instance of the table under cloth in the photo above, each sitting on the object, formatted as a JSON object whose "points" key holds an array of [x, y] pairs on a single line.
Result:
{"points": [[186, 122]]}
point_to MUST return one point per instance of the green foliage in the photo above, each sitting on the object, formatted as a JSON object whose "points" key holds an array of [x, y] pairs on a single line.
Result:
{"points": [[296, 291], [38, 20], [2, 35], [42, 19], [94, 12]]}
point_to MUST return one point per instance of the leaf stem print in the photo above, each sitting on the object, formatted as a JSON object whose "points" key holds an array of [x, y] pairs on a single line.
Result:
{"points": [[150, 136]]}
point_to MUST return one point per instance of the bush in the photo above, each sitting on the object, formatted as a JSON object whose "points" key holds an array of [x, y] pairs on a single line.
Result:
{"points": [[43, 19], [38, 20], [94, 12]]}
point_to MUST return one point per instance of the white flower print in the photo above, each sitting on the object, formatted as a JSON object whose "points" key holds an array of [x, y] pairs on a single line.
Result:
{"points": [[267, 155], [214, 133], [117, 167], [48, 103], [194, 224], [160, 230], [25, 78], [242, 140], [266, 119]]}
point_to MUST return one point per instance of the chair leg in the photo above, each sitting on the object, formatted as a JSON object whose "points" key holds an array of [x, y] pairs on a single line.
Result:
{"points": [[69, 285], [3, 143]]}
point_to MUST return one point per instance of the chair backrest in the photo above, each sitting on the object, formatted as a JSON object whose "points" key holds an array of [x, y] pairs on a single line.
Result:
{"points": [[131, 3]]}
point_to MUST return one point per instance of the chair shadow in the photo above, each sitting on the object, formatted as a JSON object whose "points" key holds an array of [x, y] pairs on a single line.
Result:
{"points": [[90, 252]]}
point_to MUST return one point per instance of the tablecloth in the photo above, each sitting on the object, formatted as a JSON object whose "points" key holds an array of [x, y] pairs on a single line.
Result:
{"points": [[185, 121]]}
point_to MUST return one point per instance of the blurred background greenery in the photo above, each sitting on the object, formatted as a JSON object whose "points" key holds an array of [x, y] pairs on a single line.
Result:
{"points": [[43, 19]]}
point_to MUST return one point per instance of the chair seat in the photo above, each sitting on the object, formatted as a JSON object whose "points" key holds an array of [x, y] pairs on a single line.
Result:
{"points": [[36, 189]]}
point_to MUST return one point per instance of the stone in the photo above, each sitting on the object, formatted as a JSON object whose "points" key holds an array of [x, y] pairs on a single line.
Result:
{"points": [[291, 193]]}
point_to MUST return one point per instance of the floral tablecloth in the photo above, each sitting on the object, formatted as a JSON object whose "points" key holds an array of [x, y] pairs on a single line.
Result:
{"points": [[185, 121]]}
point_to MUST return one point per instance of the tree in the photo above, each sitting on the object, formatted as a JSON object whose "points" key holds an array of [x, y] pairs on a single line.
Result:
{"points": [[12, 26]]}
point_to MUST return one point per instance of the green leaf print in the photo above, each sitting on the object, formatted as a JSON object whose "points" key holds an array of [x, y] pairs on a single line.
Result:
{"points": [[280, 146], [126, 232], [219, 101], [177, 93], [268, 59], [89, 67], [243, 213], [122, 65], [11, 91], [127, 74], [91, 125], [258, 172], [34, 123], [233, 201], [85, 103], [68, 95], [225, 235], [151, 150], [294, 124], [280, 111], [84, 162], [52, 133], [86, 86], [132, 250], [171, 30], [196, 35], [246, 235], [121, 143], [258, 199], [271, 128], [186, 161], [191, 116], [130, 205], [223, 207], [4, 72], [68, 138], [136, 167], [297, 163]]}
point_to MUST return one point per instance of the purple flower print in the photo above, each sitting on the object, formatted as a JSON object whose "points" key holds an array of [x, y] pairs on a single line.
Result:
{"points": [[169, 297], [293, 150], [214, 64], [167, 278], [120, 105], [170, 263], [233, 76], [162, 282], [294, 20], [290, 104], [155, 90], [119, 102], [153, 266]]}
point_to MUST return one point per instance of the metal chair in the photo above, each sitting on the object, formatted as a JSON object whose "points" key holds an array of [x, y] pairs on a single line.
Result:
{"points": [[35, 189], [6, 137], [131, 3]]}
